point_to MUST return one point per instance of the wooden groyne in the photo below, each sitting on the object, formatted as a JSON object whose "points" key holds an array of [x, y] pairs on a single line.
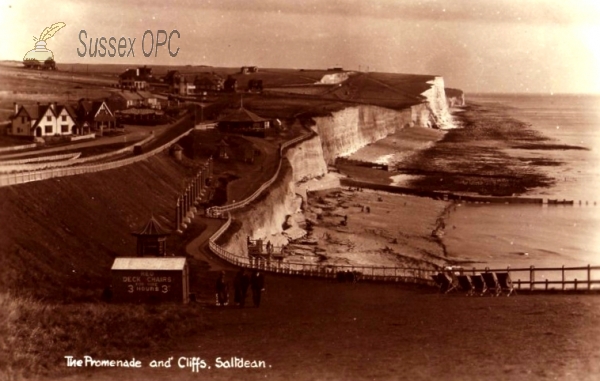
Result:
{"points": [[438, 195], [449, 196]]}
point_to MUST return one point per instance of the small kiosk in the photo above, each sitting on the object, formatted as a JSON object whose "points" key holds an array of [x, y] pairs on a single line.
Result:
{"points": [[151, 276], [150, 279]]}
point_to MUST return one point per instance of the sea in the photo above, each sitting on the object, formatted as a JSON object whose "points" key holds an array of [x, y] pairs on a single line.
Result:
{"points": [[521, 236]]}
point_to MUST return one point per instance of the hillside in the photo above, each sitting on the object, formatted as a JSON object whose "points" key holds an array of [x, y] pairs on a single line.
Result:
{"points": [[60, 235]]}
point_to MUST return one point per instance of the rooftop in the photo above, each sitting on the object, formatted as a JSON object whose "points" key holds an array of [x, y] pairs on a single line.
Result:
{"points": [[149, 263], [242, 115], [152, 228]]}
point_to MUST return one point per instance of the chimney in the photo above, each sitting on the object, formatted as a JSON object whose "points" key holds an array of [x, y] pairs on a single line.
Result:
{"points": [[16, 107]]}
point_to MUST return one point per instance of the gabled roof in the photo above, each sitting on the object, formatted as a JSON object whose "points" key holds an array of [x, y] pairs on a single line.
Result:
{"points": [[36, 112], [88, 110], [141, 263], [152, 228], [242, 115], [69, 109], [31, 110]]}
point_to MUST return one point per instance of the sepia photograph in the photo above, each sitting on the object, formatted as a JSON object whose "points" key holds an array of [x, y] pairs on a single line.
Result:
{"points": [[336, 190]]}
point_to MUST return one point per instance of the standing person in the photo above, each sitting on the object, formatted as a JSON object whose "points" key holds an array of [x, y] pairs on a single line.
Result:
{"points": [[257, 282], [222, 290]]}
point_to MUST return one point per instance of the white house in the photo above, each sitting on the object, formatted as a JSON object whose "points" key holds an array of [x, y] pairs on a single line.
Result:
{"points": [[43, 120]]}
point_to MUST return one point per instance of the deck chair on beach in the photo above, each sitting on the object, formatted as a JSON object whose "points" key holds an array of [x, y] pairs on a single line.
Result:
{"points": [[465, 284], [444, 282], [505, 283], [492, 284], [479, 286]]}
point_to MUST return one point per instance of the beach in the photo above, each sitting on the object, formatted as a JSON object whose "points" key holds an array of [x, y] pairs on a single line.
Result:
{"points": [[372, 228]]}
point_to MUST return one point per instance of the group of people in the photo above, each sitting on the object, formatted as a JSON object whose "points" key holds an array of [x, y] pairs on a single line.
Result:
{"points": [[241, 283]]}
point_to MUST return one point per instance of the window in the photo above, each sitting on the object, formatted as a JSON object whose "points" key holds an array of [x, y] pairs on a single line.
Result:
{"points": [[48, 129], [64, 118], [49, 118], [22, 120], [64, 128]]}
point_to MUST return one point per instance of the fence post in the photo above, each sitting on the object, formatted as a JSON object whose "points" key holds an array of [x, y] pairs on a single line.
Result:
{"points": [[519, 283], [546, 284], [589, 274], [575, 284], [531, 277], [563, 277]]}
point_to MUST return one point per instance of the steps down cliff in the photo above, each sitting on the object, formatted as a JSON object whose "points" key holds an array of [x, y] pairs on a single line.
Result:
{"points": [[339, 134]]}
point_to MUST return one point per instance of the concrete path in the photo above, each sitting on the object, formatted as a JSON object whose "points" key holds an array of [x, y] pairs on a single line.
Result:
{"points": [[198, 248]]}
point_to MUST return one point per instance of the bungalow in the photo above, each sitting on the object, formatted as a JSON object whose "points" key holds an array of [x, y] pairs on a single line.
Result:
{"points": [[42, 120], [135, 78], [94, 116]]}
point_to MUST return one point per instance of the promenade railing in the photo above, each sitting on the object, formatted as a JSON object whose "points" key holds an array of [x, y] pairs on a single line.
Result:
{"points": [[548, 278], [216, 211], [39, 159], [24, 177]]}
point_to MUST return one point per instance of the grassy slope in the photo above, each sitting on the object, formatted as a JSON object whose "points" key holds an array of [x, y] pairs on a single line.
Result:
{"points": [[63, 233]]}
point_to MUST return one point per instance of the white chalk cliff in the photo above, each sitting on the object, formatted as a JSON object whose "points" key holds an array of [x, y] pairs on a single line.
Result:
{"points": [[339, 134]]}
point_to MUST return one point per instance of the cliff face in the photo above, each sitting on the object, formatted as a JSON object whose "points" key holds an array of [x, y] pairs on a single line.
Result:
{"points": [[436, 98], [339, 134], [307, 159], [347, 130], [265, 219]]}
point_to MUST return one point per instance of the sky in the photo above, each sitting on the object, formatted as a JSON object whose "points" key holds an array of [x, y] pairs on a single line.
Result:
{"points": [[506, 46]]}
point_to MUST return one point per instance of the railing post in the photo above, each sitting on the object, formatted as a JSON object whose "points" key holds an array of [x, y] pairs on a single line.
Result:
{"points": [[563, 277], [531, 277], [546, 284], [575, 284]]}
